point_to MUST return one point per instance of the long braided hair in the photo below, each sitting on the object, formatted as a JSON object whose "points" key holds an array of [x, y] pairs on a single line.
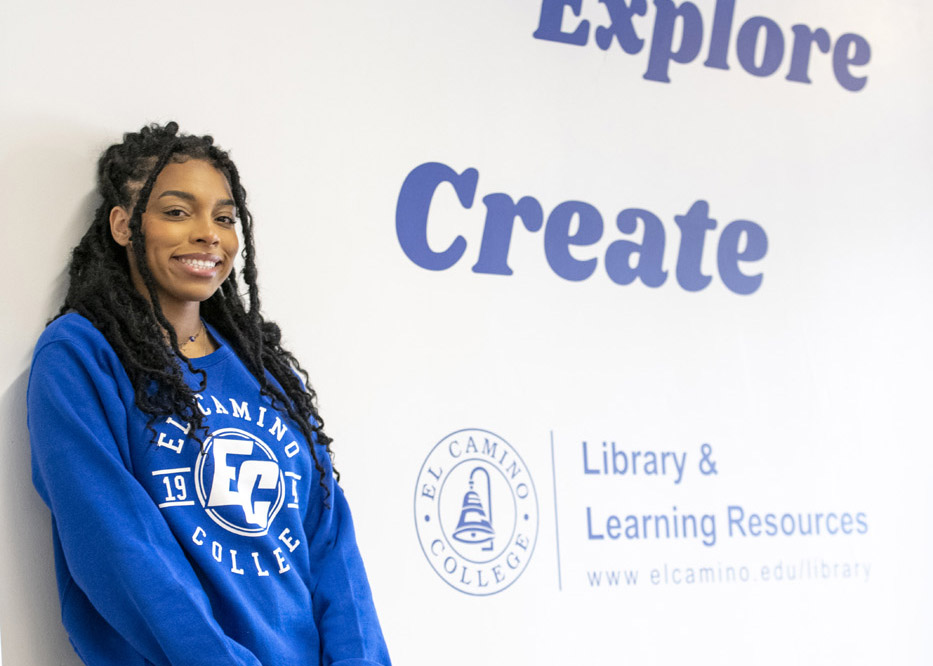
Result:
{"points": [[101, 290]]}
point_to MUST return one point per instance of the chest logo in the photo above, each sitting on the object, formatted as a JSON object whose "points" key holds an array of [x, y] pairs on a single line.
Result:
{"points": [[239, 482]]}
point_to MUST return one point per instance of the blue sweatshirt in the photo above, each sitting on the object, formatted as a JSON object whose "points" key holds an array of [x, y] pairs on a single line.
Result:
{"points": [[167, 555]]}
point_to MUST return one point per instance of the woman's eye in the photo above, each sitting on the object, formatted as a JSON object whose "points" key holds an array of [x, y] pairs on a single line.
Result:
{"points": [[226, 219], [175, 212]]}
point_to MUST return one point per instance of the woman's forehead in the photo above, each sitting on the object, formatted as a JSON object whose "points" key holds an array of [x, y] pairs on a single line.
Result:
{"points": [[182, 171]]}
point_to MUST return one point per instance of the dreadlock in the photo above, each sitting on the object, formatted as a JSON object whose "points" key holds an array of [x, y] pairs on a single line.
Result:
{"points": [[101, 290]]}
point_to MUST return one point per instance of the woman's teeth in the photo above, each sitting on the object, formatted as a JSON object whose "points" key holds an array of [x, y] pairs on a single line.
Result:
{"points": [[197, 263]]}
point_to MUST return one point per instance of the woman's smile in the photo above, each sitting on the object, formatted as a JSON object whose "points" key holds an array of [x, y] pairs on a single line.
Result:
{"points": [[201, 265]]}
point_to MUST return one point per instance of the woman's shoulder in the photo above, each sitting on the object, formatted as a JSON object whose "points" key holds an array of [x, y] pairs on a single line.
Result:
{"points": [[72, 329], [72, 341], [73, 362]]}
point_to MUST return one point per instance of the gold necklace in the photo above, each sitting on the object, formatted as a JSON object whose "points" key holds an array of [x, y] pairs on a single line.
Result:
{"points": [[192, 338]]}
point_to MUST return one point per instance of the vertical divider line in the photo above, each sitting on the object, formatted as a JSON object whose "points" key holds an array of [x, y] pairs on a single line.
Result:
{"points": [[556, 521]]}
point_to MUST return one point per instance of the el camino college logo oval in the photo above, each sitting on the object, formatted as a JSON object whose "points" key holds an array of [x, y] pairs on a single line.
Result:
{"points": [[476, 512]]}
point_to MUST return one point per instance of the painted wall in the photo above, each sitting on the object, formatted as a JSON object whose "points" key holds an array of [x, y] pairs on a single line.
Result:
{"points": [[589, 330]]}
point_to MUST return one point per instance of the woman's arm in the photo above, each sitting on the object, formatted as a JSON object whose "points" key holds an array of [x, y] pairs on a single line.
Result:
{"points": [[117, 548], [343, 603]]}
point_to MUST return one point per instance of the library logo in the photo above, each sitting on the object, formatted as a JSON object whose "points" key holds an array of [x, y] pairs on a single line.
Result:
{"points": [[476, 511]]}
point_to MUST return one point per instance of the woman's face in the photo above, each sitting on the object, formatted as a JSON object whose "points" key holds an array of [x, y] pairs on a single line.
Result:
{"points": [[191, 237]]}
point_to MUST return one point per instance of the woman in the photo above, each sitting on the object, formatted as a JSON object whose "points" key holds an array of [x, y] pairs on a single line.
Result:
{"points": [[196, 518]]}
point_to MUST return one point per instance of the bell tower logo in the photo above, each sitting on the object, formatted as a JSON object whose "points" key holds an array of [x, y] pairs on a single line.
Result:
{"points": [[476, 512]]}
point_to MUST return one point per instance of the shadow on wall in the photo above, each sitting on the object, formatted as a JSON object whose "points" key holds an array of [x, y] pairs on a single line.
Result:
{"points": [[29, 607]]}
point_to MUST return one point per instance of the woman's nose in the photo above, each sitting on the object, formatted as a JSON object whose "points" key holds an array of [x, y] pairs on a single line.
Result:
{"points": [[204, 230]]}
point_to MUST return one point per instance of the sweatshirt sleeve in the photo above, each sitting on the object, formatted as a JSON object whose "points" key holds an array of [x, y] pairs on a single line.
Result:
{"points": [[115, 544], [342, 600]]}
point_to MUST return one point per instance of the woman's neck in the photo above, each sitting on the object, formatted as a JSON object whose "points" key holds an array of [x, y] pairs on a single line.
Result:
{"points": [[193, 339]]}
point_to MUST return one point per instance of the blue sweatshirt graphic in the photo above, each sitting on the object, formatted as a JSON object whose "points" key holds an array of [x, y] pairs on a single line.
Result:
{"points": [[168, 555]]}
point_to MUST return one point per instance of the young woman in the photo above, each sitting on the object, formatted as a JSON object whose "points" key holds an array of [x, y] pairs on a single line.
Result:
{"points": [[196, 518]]}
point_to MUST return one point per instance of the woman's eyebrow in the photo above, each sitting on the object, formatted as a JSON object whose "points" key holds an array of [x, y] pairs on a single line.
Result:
{"points": [[187, 196], [178, 193]]}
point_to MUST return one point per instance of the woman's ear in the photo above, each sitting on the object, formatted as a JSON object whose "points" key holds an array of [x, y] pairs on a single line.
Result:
{"points": [[120, 225]]}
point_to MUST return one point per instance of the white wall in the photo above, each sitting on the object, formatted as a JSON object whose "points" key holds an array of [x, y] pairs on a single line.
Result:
{"points": [[812, 390]]}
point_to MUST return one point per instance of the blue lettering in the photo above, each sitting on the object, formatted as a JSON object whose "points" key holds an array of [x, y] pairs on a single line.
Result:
{"points": [[501, 212], [589, 527], [682, 23], [861, 54], [586, 465], [721, 32], [771, 525], [620, 25], [804, 38], [736, 519], [693, 228], [575, 223], [663, 38], [411, 213], [613, 526], [747, 43], [728, 255], [862, 521], [558, 239], [650, 251], [552, 16]]}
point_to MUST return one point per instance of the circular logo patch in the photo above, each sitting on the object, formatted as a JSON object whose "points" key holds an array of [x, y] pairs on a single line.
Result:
{"points": [[476, 511], [239, 482]]}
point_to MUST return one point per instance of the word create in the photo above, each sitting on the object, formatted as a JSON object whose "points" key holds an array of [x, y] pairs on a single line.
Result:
{"points": [[576, 224], [757, 35]]}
